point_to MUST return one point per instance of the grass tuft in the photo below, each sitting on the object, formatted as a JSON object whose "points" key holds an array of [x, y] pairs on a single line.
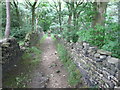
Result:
{"points": [[43, 38], [53, 37], [74, 77]]}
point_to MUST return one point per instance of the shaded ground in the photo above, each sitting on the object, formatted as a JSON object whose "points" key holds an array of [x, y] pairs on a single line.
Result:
{"points": [[19, 75], [38, 70], [51, 67]]}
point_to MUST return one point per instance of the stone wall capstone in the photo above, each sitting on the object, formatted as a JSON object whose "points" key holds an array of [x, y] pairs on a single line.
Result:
{"points": [[97, 67]]}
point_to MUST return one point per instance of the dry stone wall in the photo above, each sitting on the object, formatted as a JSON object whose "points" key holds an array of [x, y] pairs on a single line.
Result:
{"points": [[32, 38], [97, 67], [11, 53]]}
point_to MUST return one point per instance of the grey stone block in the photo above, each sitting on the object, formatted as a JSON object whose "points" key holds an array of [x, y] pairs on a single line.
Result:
{"points": [[103, 52], [112, 60]]}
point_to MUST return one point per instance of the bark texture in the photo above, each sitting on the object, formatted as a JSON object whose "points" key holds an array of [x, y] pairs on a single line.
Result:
{"points": [[7, 30], [60, 22], [33, 14], [100, 8], [15, 2], [33, 7]]}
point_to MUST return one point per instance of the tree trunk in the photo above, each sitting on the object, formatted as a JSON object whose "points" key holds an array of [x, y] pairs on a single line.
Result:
{"points": [[33, 14], [74, 15], [59, 3], [74, 19], [69, 19], [100, 8], [119, 12], [33, 17], [7, 30], [36, 24], [17, 12]]}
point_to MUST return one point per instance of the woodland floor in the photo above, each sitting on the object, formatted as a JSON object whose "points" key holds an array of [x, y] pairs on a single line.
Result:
{"points": [[48, 73], [51, 67]]}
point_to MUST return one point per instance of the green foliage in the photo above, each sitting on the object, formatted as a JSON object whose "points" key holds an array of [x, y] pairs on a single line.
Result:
{"points": [[45, 18], [14, 17], [82, 11], [18, 28], [53, 37], [112, 39], [33, 54], [97, 36], [74, 74], [20, 34], [43, 38], [54, 28], [93, 36], [16, 81], [70, 34], [104, 37], [114, 47], [45, 24], [34, 50], [21, 43], [20, 80]]}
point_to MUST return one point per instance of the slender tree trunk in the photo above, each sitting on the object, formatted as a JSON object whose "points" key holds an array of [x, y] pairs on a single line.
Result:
{"points": [[118, 42], [69, 19], [119, 12], [33, 14], [74, 19], [7, 30], [36, 24], [74, 14], [59, 3], [17, 12], [77, 17], [33, 17]]}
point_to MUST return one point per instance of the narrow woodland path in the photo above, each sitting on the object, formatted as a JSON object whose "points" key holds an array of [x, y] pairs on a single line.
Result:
{"points": [[51, 67]]}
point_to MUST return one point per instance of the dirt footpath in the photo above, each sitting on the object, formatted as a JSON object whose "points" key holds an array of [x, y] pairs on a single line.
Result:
{"points": [[51, 67]]}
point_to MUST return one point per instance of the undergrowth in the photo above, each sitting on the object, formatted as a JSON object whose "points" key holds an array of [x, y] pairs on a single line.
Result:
{"points": [[20, 75], [33, 55], [74, 77], [53, 37], [43, 38], [106, 38]]}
